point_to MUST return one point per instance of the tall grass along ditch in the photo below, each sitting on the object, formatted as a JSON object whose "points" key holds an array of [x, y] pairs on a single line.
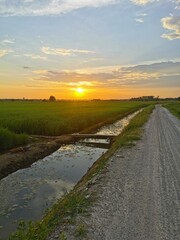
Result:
{"points": [[9, 139]]}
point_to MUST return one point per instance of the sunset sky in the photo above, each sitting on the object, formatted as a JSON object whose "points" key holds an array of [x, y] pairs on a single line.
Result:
{"points": [[109, 48]]}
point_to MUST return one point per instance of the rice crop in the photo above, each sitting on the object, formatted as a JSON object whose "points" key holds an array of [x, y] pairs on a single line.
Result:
{"points": [[46, 118], [56, 118]]}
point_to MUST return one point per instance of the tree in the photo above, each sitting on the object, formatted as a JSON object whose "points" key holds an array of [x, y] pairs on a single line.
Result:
{"points": [[52, 99]]}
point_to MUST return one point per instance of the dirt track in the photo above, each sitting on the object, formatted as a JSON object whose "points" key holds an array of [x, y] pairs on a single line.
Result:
{"points": [[139, 192]]}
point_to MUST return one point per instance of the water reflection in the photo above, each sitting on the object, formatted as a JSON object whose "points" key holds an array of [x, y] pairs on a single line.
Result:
{"points": [[117, 127], [27, 193]]}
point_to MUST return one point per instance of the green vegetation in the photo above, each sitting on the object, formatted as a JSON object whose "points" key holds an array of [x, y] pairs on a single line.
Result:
{"points": [[64, 210], [174, 108], [10, 139], [57, 118], [76, 201], [62, 236], [80, 231]]}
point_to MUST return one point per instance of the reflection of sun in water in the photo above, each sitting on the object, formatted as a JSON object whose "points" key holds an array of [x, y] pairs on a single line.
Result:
{"points": [[79, 91]]}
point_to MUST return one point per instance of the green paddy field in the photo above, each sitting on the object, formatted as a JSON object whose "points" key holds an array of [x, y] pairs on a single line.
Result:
{"points": [[18, 119]]}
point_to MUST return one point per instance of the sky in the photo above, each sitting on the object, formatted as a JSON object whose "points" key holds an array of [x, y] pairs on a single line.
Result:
{"points": [[86, 49]]}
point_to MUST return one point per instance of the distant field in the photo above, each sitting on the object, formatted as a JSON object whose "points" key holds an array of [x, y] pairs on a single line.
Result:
{"points": [[174, 108], [57, 118]]}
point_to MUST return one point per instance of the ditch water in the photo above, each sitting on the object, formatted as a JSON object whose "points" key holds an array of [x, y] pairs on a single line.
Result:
{"points": [[28, 193]]}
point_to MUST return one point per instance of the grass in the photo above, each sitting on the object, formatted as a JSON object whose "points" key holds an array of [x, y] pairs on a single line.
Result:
{"points": [[80, 231], [10, 139], [76, 201], [174, 108], [67, 207], [57, 118], [62, 236]]}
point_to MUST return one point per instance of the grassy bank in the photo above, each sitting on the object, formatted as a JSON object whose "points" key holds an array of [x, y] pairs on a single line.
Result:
{"points": [[9, 139], [76, 201], [174, 108]]}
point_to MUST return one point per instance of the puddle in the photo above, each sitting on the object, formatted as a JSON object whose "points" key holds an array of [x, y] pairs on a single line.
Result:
{"points": [[28, 193]]}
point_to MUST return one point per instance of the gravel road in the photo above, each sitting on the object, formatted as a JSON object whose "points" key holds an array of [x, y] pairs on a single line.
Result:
{"points": [[138, 195]]}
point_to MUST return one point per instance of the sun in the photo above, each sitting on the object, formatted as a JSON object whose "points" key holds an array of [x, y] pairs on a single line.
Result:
{"points": [[79, 91]]}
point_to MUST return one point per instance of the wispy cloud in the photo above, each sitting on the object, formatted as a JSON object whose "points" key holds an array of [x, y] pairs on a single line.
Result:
{"points": [[7, 41], [51, 7], [140, 75], [140, 17], [40, 71], [35, 57], [140, 20], [4, 52], [172, 24], [142, 14], [177, 2], [56, 7], [143, 2], [93, 60], [64, 52]]}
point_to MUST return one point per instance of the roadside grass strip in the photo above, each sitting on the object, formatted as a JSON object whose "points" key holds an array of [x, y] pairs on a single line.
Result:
{"points": [[174, 108]]}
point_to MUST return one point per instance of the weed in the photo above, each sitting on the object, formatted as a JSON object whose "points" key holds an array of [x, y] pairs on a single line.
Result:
{"points": [[62, 236], [81, 230]]}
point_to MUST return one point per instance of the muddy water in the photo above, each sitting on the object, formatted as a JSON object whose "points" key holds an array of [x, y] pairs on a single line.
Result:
{"points": [[28, 193]]}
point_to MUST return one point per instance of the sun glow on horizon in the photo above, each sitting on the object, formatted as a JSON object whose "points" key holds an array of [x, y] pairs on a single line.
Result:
{"points": [[79, 91]]}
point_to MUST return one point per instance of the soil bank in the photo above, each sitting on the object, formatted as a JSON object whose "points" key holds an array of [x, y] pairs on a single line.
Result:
{"points": [[24, 156]]}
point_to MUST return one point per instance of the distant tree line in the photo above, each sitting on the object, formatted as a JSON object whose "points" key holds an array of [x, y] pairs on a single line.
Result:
{"points": [[53, 99], [152, 98]]}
